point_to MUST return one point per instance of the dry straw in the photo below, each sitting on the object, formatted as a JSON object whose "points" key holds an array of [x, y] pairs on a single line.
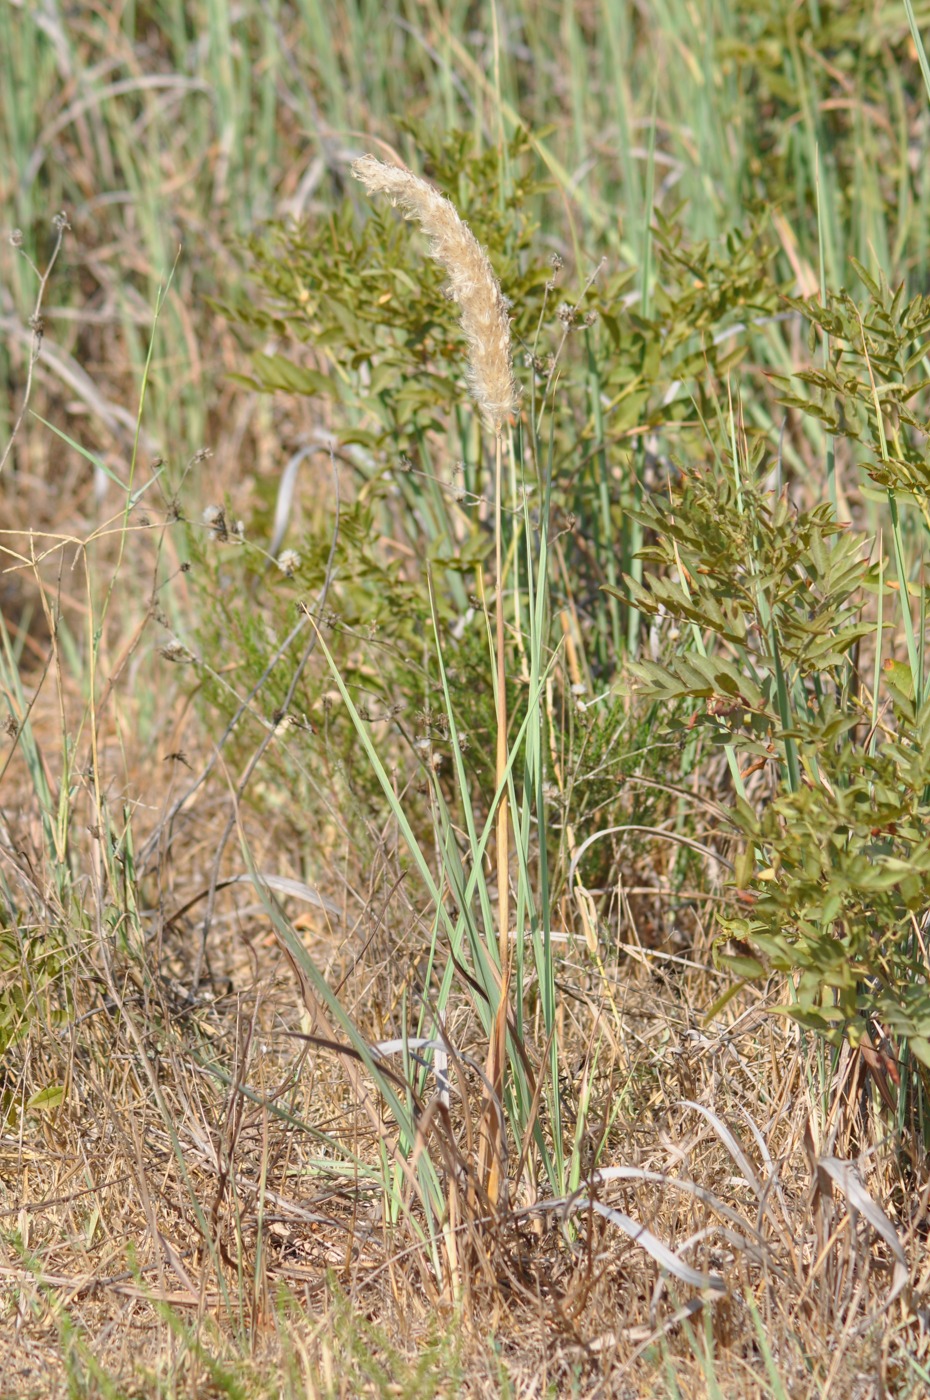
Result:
{"points": [[473, 284]]}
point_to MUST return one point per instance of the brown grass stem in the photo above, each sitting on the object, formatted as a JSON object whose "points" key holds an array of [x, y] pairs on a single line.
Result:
{"points": [[498, 1046]]}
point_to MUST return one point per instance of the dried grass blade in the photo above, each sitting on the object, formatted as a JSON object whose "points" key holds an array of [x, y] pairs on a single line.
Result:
{"points": [[283, 884], [664, 1257], [858, 1199], [732, 1145], [284, 504], [751, 1243], [773, 1180], [690, 1188]]}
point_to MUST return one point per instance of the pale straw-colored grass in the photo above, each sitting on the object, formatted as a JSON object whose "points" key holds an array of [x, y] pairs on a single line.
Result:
{"points": [[472, 283]]}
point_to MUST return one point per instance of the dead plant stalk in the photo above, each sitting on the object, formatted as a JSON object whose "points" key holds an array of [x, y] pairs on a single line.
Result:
{"points": [[497, 1048]]}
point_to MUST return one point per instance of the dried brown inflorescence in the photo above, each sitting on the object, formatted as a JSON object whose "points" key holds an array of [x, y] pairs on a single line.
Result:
{"points": [[473, 284]]}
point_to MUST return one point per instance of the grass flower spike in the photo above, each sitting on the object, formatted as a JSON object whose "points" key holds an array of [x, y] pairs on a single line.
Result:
{"points": [[473, 284], [484, 318]]}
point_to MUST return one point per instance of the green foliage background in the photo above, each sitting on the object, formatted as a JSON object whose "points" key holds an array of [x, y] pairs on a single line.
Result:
{"points": [[773, 625]]}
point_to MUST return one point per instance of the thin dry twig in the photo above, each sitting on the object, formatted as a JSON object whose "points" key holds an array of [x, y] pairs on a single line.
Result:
{"points": [[36, 324], [266, 741]]}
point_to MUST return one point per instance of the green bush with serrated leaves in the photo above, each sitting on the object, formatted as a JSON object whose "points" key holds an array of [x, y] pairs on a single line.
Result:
{"points": [[361, 322], [801, 644], [776, 618]]}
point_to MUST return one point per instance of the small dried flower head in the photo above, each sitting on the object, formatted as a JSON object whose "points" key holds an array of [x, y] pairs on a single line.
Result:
{"points": [[289, 562], [565, 313], [472, 283], [555, 262], [214, 517], [16, 238], [177, 652]]}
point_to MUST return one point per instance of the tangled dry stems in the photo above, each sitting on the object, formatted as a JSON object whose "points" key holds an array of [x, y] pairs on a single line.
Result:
{"points": [[188, 1132], [184, 1132]]}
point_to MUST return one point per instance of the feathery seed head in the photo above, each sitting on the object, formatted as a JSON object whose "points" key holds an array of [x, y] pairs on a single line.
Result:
{"points": [[472, 283], [289, 562]]}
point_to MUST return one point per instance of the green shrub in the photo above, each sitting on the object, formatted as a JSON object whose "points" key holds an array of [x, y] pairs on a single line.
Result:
{"points": [[766, 620]]}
